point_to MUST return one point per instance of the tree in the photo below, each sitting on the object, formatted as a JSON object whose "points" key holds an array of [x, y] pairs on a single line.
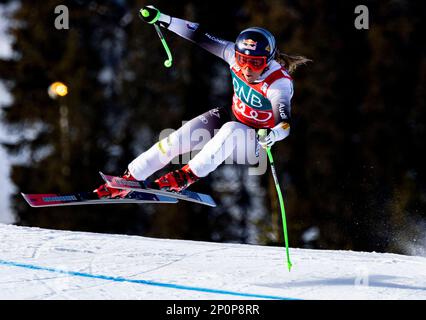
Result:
{"points": [[80, 57]]}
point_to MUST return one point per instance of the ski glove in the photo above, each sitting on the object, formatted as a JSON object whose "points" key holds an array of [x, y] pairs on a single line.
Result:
{"points": [[277, 133]]}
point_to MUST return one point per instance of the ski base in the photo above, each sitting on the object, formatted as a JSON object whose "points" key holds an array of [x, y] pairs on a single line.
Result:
{"points": [[83, 198], [140, 186]]}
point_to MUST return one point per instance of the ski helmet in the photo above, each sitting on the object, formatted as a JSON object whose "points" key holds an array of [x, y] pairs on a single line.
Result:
{"points": [[256, 41]]}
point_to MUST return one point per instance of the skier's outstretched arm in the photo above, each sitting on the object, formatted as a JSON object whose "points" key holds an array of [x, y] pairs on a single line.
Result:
{"points": [[191, 31]]}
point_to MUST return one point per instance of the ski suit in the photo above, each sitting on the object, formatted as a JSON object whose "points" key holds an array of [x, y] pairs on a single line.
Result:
{"points": [[262, 104]]}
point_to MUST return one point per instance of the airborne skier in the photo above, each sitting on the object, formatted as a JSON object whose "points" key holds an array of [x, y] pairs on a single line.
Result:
{"points": [[263, 89]]}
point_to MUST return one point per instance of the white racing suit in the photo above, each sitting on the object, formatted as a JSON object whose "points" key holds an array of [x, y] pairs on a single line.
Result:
{"points": [[224, 133]]}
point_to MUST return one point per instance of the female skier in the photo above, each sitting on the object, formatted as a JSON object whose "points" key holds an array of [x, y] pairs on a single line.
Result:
{"points": [[263, 90]]}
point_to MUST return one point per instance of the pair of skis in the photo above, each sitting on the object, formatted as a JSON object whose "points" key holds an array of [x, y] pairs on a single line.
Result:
{"points": [[140, 193]]}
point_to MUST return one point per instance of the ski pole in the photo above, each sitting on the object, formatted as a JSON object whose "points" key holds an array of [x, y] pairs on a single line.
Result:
{"points": [[145, 13], [262, 133]]}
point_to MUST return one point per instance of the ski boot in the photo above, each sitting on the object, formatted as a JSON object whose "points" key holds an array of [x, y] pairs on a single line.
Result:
{"points": [[177, 180], [104, 191]]}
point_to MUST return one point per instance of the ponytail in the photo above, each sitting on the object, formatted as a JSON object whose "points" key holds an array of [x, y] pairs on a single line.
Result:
{"points": [[290, 63]]}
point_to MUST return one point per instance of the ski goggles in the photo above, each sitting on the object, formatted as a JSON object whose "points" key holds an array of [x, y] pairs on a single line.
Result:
{"points": [[254, 63]]}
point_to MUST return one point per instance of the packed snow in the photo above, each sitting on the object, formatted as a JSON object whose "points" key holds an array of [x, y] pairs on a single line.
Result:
{"points": [[50, 264]]}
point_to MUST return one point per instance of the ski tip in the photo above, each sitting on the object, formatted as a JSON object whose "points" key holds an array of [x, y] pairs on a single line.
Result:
{"points": [[103, 176], [27, 199], [24, 196]]}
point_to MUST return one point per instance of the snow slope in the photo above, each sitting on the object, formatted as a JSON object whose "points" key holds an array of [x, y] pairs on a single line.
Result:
{"points": [[49, 264]]}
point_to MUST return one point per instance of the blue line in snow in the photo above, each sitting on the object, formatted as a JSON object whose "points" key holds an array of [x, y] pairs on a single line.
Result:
{"points": [[145, 282]]}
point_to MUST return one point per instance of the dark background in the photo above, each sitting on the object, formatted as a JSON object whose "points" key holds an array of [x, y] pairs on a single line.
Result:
{"points": [[352, 170]]}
